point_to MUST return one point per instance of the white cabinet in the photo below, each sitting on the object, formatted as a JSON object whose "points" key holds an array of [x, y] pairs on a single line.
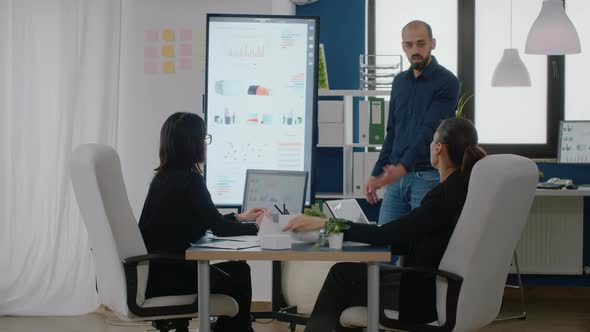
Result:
{"points": [[334, 133], [330, 123]]}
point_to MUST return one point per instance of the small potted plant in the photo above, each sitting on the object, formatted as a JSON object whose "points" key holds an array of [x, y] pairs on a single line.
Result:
{"points": [[332, 232], [314, 211]]}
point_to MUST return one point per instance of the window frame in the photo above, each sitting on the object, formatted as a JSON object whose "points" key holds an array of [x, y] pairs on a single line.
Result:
{"points": [[466, 74]]}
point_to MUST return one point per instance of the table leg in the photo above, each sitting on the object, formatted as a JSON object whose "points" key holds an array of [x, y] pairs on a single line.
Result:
{"points": [[373, 297], [204, 290]]}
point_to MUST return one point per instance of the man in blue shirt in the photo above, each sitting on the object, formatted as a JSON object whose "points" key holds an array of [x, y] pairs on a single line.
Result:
{"points": [[421, 97]]}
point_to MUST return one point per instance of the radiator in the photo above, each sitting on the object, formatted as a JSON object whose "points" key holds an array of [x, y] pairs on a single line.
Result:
{"points": [[552, 242]]}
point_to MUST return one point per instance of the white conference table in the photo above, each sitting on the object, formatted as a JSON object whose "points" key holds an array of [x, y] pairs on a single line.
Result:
{"points": [[372, 255]]}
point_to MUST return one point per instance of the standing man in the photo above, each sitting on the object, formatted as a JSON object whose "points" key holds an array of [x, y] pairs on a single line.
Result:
{"points": [[421, 97]]}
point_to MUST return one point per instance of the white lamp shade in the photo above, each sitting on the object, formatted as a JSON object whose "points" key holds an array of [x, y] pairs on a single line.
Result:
{"points": [[552, 33], [511, 71]]}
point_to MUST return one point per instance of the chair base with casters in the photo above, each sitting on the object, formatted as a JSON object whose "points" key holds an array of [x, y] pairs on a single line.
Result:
{"points": [[280, 310], [518, 315]]}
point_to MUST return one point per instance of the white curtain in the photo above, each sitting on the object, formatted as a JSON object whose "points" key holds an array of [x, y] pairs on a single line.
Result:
{"points": [[59, 65]]}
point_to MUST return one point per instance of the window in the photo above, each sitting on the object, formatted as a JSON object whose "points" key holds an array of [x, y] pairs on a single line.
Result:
{"points": [[577, 103], [508, 115], [521, 120], [390, 16]]}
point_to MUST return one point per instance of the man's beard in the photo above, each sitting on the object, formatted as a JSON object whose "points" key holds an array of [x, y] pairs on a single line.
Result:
{"points": [[420, 65]]}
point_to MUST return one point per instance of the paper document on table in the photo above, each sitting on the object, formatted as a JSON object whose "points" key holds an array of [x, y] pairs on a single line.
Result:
{"points": [[234, 245], [240, 238]]}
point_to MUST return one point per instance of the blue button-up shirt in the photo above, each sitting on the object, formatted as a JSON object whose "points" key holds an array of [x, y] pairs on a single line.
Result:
{"points": [[416, 108]]}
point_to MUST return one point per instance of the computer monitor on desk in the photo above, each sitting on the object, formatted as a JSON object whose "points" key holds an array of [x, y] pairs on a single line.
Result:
{"points": [[574, 142], [273, 189]]}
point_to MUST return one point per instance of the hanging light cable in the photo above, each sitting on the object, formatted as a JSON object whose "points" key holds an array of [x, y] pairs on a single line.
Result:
{"points": [[511, 70]]}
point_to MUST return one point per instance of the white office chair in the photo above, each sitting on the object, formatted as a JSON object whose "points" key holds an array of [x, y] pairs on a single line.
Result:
{"points": [[473, 270], [119, 252]]}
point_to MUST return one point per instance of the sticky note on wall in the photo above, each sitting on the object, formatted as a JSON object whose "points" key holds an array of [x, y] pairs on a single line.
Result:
{"points": [[168, 51], [186, 50], [150, 51], [150, 36], [186, 64], [186, 34], [168, 35], [150, 68], [168, 67]]}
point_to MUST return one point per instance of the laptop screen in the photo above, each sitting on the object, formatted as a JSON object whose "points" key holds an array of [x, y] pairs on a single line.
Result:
{"points": [[275, 190], [348, 209], [574, 142]]}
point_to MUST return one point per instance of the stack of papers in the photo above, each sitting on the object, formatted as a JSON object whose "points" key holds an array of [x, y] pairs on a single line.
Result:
{"points": [[231, 244], [240, 238]]}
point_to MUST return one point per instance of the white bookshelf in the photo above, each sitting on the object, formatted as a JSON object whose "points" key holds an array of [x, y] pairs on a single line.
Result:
{"points": [[348, 145]]}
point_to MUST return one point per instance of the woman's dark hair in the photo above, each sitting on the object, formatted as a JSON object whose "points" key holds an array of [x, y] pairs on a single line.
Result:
{"points": [[182, 142], [460, 136]]}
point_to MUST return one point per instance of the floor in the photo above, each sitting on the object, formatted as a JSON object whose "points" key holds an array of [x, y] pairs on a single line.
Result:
{"points": [[555, 314]]}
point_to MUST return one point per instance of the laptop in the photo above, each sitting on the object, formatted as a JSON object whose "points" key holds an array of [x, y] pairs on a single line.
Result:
{"points": [[275, 190], [348, 209]]}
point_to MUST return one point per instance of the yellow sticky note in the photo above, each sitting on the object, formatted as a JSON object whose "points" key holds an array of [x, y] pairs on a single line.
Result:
{"points": [[168, 35], [168, 67], [168, 51]]}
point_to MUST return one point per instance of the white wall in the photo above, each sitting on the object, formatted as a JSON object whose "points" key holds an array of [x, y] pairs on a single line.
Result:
{"points": [[146, 99]]}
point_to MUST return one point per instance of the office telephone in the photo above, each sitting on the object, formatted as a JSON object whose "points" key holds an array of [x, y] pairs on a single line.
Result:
{"points": [[557, 183]]}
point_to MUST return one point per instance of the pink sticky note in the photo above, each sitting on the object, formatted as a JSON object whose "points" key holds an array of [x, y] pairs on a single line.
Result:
{"points": [[150, 68], [186, 63], [186, 35], [186, 50], [150, 51], [151, 36]]}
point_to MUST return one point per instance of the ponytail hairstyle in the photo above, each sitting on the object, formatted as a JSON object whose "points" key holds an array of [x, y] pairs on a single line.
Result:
{"points": [[182, 142], [460, 136]]}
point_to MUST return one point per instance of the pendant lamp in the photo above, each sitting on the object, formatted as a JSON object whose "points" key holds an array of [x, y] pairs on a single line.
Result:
{"points": [[511, 71], [552, 33]]}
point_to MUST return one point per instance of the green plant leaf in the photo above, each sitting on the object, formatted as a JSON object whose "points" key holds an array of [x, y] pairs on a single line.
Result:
{"points": [[332, 226], [314, 211], [461, 104]]}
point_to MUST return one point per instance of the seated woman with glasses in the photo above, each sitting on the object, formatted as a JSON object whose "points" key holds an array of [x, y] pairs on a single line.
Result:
{"points": [[178, 210], [422, 235]]}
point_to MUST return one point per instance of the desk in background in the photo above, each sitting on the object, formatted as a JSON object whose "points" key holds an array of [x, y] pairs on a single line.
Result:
{"points": [[298, 252], [552, 242]]}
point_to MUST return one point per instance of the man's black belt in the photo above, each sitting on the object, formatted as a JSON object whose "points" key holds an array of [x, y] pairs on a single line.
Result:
{"points": [[422, 167]]}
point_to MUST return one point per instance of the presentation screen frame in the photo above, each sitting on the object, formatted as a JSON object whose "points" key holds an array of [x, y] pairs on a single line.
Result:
{"points": [[222, 176], [570, 140]]}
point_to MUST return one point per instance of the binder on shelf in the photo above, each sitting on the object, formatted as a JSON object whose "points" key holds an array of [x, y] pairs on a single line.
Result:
{"points": [[358, 174], [376, 120], [370, 159], [363, 122]]}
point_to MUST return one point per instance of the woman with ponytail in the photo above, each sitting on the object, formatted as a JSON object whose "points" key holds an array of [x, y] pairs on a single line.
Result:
{"points": [[422, 235]]}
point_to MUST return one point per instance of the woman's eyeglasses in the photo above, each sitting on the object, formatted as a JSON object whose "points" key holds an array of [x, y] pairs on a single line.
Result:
{"points": [[208, 139]]}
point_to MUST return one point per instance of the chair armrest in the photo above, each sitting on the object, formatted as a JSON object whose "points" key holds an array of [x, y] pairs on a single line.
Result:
{"points": [[153, 257], [453, 290], [130, 268]]}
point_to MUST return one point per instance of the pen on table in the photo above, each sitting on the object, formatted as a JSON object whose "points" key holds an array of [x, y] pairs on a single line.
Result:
{"points": [[276, 207]]}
